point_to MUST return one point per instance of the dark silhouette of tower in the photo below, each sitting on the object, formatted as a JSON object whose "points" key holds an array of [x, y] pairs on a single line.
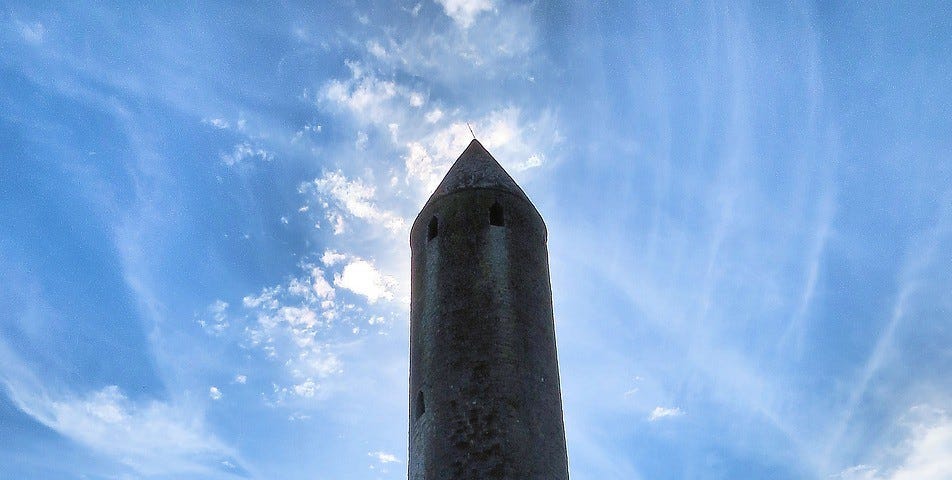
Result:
{"points": [[484, 376]]}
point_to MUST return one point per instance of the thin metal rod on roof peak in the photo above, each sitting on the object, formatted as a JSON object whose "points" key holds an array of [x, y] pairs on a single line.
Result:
{"points": [[471, 130]]}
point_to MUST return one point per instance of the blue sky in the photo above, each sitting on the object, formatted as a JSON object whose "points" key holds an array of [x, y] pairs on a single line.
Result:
{"points": [[205, 217]]}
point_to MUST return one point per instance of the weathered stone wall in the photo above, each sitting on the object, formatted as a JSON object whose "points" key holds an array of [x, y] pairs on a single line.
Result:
{"points": [[484, 381]]}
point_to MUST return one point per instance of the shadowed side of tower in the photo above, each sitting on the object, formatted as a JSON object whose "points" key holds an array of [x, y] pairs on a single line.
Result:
{"points": [[484, 380]]}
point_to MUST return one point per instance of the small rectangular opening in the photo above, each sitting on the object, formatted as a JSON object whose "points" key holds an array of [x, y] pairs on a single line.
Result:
{"points": [[495, 215], [432, 229], [419, 406]]}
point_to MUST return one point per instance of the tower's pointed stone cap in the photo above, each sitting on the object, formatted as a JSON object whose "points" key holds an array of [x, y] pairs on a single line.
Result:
{"points": [[476, 168]]}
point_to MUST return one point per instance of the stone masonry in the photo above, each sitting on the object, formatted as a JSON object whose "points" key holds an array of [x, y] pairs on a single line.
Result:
{"points": [[484, 378]]}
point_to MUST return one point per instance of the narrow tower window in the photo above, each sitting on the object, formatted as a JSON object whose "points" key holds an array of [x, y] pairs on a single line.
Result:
{"points": [[420, 406], [495, 215], [433, 229]]}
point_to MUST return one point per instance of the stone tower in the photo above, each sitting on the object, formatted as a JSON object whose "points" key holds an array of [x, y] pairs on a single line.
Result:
{"points": [[484, 376]]}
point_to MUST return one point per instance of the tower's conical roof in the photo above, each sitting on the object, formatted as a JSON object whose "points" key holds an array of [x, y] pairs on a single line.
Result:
{"points": [[476, 168]]}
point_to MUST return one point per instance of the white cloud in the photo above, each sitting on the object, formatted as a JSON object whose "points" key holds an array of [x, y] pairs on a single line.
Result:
{"points": [[355, 198], [219, 123], [464, 12], [534, 160], [331, 257], [298, 318], [154, 438], [420, 165], [926, 452], [503, 47], [218, 319], [376, 49], [361, 142], [368, 98], [214, 393], [298, 416], [299, 324], [384, 457], [307, 128], [265, 299], [519, 141], [32, 32], [858, 472], [306, 389], [293, 333], [434, 115], [242, 379], [320, 362], [245, 151], [394, 131], [930, 456], [662, 412], [515, 142], [362, 278], [337, 222], [321, 287]]}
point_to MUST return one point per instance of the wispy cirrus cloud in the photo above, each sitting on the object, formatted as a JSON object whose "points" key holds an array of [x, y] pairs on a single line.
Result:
{"points": [[517, 142], [739, 263], [152, 437], [243, 153], [664, 412], [464, 12], [31, 32], [432, 130], [384, 457], [484, 39], [304, 326], [369, 98], [924, 454], [341, 197]]}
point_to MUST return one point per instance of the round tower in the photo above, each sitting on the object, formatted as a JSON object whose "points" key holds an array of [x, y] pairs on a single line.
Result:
{"points": [[484, 378]]}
